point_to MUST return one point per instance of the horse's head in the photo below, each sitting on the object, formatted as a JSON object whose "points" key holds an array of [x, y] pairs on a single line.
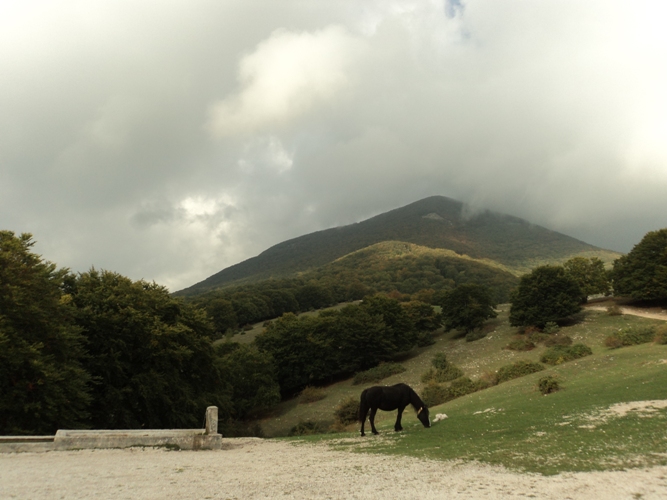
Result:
{"points": [[422, 415]]}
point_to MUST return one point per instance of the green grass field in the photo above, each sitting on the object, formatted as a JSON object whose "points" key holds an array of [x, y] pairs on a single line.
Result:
{"points": [[582, 427]]}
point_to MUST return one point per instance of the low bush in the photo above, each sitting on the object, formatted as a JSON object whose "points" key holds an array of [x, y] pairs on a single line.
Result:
{"points": [[560, 354], [425, 339], [518, 369], [558, 339], [477, 334], [551, 327], [311, 394], [547, 385], [529, 330], [381, 371], [439, 361], [435, 394], [630, 336], [488, 379], [347, 412], [307, 427], [538, 337], [661, 334], [614, 310], [520, 344], [439, 376]]}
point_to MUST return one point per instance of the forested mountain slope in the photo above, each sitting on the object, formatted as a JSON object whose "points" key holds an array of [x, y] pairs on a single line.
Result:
{"points": [[435, 222]]}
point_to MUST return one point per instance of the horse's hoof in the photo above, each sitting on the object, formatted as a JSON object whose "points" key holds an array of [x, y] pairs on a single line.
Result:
{"points": [[363, 434]]}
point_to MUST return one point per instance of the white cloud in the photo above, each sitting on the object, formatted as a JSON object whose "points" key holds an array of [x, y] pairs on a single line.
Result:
{"points": [[287, 75], [179, 139]]}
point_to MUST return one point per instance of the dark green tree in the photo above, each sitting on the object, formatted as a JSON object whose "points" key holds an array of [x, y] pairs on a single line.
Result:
{"points": [[545, 294], [222, 314], [589, 274], [149, 353], [301, 356], [43, 385], [251, 375], [423, 315], [399, 328], [642, 273], [467, 307]]}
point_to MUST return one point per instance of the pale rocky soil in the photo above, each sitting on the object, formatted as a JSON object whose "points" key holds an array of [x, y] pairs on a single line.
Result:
{"points": [[253, 468], [653, 313]]}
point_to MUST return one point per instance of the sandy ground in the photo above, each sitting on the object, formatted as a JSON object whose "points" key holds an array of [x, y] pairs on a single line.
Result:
{"points": [[253, 468], [653, 313]]}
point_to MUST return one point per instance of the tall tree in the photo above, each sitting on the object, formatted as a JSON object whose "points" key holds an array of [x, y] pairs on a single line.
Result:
{"points": [[467, 307], [543, 295], [150, 354], [589, 274], [642, 274], [43, 385]]}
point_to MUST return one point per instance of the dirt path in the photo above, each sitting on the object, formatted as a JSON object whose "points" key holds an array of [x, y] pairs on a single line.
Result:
{"points": [[253, 468], [635, 311]]}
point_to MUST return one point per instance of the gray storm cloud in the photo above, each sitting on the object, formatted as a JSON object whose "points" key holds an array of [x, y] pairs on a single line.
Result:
{"points": [[168, 141]]}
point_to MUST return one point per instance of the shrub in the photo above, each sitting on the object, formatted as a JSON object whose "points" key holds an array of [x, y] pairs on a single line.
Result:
{"points": [[307, 427], [558, 339], [439, 361], [312, 394], [425, 339], [347, 412], [462, 386], [488, 379], [560, 354], [551, 327], [538, 337], [529, 330], [547, 385], [661, 334], [630, 336], [382, 371], [614, 310], [520, 344], [475, 335], [517, 369], [435, 394], [435, 375]]}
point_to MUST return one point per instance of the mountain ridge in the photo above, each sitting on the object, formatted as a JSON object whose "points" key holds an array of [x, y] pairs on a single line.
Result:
{"points": [[434, 222]]}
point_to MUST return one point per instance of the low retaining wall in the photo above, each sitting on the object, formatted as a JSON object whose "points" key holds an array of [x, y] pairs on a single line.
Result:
{"points": [[15, 444], [181, 439]]}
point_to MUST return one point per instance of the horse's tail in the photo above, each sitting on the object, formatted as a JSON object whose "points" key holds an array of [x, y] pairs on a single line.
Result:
{"points": [[363, 406]]}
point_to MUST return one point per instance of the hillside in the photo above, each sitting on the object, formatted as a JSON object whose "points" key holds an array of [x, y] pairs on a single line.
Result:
{"points": [[435, 222], [609, 414]]}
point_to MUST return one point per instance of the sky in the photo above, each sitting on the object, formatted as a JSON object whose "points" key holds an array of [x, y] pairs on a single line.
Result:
{"points": [[167, 140]]}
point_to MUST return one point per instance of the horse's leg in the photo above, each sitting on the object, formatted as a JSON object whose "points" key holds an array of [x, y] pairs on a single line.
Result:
{"points": [[397, 425], [372, 419], [363, 411]]}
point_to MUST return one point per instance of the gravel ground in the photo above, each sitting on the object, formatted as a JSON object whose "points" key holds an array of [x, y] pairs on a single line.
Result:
{"points": [[250, 468]]}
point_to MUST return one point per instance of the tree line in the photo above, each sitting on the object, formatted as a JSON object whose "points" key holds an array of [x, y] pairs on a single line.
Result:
{"points": [[98, 350]]}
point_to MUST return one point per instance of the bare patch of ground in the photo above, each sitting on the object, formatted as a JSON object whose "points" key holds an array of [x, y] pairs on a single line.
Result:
{"points": [[254, 468], [651, 313]]}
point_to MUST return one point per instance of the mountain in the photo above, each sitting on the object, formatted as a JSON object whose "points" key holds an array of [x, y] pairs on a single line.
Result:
{"points": [[436, 222]]}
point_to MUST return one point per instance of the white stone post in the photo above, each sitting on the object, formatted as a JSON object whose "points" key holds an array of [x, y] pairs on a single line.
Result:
{"points": [[212, 420]]}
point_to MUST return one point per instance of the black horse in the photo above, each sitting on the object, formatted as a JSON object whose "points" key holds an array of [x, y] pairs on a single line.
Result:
{"points": [[389, 398]]}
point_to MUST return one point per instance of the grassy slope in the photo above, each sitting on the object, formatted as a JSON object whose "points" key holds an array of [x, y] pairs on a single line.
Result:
{"points": [[513, 424]]}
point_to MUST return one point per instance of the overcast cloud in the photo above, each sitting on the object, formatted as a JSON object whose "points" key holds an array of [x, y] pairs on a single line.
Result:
{"points": [[169, 140]]}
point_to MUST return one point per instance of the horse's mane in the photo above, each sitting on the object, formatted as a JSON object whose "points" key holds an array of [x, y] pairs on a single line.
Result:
{"points": [[415, 400]]}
